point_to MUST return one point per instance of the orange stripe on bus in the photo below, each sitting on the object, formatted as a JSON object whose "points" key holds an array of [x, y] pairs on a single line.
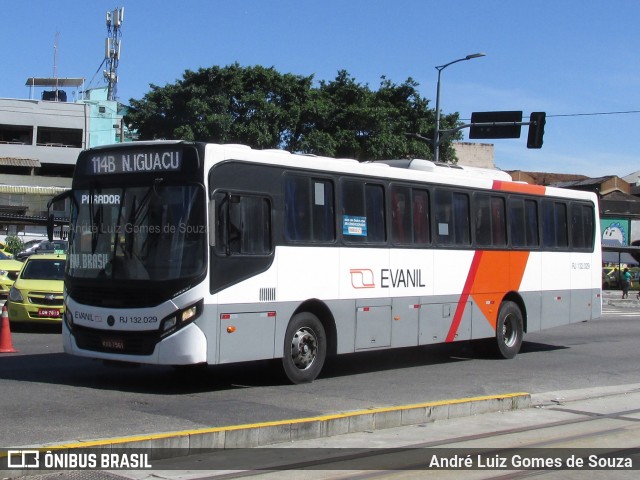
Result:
{"points": [[492, 274], [462, 303], [498, 273], [519, 187]]}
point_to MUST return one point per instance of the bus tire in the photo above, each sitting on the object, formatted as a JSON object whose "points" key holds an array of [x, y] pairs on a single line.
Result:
{"points": [[509, 330], [305, 348]]}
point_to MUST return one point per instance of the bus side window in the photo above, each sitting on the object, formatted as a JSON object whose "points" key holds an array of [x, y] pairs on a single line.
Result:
{"points": [[482, 221], [400, 215], [498, 224], [548, 224], [490, 225], [577, 228], [555, 232], [562, 224], [375, 213], [421, 217], [243, 225], [582, 226], [517, 222], [531, 223], [443, 216], [363, 213], [324, 224], [461, 218], [588, 215], [296, 204], [309, 211]]}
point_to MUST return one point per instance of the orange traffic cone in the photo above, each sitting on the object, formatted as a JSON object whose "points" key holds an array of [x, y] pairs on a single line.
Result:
{"points": [[5, 333]]}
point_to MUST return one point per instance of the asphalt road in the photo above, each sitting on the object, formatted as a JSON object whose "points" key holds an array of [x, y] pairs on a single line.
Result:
{"points": [[49, 397]]}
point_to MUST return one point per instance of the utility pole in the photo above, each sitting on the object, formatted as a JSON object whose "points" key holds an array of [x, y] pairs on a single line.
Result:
{"points": [[436, 135]]}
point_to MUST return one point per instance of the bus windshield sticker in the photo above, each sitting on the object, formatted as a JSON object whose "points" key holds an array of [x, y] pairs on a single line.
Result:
{"points": [[141, 161], [356, 226]]}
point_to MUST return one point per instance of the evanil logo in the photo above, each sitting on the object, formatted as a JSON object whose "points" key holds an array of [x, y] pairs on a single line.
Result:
{"points": [[389, 278], [362, 278]]}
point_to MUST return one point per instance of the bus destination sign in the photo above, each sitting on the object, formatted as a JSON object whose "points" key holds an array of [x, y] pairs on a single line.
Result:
{"points": [[139, 161]]}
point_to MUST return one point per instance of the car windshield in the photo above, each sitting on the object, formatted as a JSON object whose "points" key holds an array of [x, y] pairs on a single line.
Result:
{"points": [[43, 269], [138, 233], [4, 257], [52, 246]]}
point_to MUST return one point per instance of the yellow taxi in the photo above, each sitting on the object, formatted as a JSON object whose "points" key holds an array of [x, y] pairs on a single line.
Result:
{"points": [[9, 269], [4, 251], [36, 295]]}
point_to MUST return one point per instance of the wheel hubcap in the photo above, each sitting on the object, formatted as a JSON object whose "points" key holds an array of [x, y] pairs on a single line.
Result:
{"points": [[509, 332], [304, 348]]}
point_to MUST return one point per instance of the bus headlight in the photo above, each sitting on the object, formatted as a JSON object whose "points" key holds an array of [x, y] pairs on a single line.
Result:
{"points": [[188, 313], [68, 318], [169, 323], [181, 318]]}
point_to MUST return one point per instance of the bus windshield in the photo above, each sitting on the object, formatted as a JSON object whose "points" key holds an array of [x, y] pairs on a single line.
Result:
{"points": [[154, 232]]}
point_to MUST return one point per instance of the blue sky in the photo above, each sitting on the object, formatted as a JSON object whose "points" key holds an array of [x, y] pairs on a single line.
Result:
{"points": [[569, 58]]}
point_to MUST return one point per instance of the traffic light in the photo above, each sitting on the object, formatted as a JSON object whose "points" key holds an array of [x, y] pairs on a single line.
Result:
{"points": [[536, 130], [495, 124]]}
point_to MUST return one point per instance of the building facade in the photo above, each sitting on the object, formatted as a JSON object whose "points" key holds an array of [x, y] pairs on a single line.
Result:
{"points": [[39, 143]]}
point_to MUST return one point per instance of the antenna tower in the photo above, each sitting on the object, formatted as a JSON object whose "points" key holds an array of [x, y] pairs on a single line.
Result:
{"points": [[112, 50], [55, 55], [55, 64]]}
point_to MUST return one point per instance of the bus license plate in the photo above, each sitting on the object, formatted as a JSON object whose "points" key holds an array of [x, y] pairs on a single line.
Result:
{"points": [[113, 343], [48, 312]]}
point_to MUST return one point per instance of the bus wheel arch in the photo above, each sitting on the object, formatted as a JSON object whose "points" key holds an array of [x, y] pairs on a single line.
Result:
{"points": [[322, 311], [517, 299], [306, 343]]}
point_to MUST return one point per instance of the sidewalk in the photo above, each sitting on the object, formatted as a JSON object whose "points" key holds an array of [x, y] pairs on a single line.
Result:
{"points": [[573, 422]]}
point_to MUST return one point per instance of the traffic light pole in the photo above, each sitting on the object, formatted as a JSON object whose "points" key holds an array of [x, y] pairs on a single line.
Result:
{"points": [[536, 131]]}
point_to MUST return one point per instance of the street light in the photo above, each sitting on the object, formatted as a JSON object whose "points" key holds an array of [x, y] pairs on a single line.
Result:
{"points": [[436, 135]]}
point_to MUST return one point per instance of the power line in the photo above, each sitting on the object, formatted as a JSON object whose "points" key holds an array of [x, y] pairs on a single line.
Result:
{"points": [[625, 112], [592, 114]]}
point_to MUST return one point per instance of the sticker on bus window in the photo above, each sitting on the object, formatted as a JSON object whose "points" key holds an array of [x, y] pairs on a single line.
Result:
{"points": [[318, 194], [356, 226]]}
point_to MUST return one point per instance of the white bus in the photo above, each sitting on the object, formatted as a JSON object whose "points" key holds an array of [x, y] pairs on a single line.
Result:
{"points": [[190, 253]]}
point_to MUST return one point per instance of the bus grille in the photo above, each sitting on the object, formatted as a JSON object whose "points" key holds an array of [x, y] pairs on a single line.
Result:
{"points": [[133, 343]]}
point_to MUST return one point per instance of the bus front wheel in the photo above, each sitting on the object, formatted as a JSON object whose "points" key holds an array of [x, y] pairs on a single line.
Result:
{"points": [[305, 348], [509, 330]]}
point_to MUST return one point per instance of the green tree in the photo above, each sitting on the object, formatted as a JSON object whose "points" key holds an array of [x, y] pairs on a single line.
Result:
{"points": [[256, 106], [262, 108], [13, 244]]}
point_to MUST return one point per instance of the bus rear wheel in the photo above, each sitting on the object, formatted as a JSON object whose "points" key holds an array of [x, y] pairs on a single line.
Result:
{"points": [[305, 348], [509, 330]]}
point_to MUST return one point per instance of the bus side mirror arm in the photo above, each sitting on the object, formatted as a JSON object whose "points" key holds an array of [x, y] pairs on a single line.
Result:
{"points": [[51, 221]]}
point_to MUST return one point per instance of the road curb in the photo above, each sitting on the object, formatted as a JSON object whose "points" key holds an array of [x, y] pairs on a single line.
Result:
{"points": [[268, 433]]}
